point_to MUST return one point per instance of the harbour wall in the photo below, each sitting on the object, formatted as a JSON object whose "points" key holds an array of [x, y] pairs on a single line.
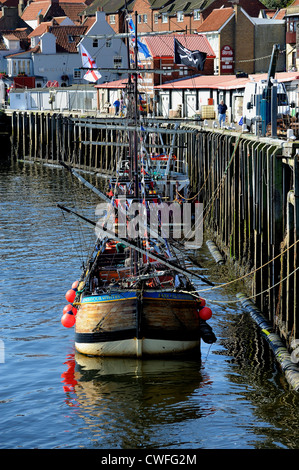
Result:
{"points": [[249, 187]]}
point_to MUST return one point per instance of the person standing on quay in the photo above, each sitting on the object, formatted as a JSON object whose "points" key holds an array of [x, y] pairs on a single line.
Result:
{"points": [[222, 108], [116, 105]]}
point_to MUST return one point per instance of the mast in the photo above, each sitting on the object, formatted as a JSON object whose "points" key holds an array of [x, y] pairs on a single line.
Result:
{"points": [[136, 179]]}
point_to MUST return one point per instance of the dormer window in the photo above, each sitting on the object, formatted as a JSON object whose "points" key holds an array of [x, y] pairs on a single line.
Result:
{"points": [[196, 15], [164, 18], [180, 16], [95, 43], [71, 38]]}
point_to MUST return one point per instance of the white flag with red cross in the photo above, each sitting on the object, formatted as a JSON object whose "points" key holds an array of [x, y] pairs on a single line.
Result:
{"points": [[88, 62]]}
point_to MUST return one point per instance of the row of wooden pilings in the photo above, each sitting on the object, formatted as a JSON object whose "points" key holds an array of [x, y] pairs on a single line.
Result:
{"points": [[250, 190], [249, 187]]}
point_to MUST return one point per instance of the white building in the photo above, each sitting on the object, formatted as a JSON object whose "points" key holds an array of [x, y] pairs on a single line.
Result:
{"points": [[56, 56]]}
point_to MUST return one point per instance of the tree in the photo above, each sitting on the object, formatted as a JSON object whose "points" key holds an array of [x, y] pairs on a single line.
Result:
{"points": [[276, 3]]}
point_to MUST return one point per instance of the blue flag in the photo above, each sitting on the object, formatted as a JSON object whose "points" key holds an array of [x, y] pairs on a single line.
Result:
{"points": [[142, 47]]}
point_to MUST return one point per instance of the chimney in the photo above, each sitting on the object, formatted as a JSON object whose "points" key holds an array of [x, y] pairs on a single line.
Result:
{"points": [[21, 7]]}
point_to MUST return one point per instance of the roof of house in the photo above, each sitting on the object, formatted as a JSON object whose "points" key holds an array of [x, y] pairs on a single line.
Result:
{"points": [[216, 20], [163, 46], [34, 9], [51, 10], [252, 7], [122, 83], [67, 37], [108, 6], [40, 29], [224, 82], [280, 14], [180, 5]]}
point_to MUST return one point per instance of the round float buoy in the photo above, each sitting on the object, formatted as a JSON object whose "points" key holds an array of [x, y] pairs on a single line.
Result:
{"points": [[67, 308], [202, 302], [205, 313], [75, 285], [70, 295], [68, 320], [74, 310]]}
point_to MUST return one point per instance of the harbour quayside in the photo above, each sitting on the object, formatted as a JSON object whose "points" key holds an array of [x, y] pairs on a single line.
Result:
{"points": [[135, 296]]}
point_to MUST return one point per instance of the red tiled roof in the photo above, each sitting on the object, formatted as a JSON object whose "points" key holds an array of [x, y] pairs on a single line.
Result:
{"points": [[281, 14], [224, 82], [216, 20], [32, 10], [40, 29], [163, 46], [89, 22], [122, 83], [63, 33], [71, 9]]}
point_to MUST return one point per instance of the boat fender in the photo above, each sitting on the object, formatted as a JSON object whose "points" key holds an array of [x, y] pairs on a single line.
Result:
{"points": [[205, 313], [71, 295], [68, 319], [67, 308], [206, 332], [75, 285]]}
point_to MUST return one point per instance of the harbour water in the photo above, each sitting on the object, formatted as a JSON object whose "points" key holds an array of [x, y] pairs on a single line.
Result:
{"points": [[236, 397]]}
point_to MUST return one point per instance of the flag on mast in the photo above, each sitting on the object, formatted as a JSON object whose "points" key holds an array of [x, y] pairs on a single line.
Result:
{"points": [[184, 56], [141, 46], [88, 62]]}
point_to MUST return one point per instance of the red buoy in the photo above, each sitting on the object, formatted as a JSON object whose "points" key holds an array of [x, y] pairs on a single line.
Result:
{"points": [[67, 308], [202, 302], [75, 285], [70, 295], [74, 310], [68, 320], [205, 313]]}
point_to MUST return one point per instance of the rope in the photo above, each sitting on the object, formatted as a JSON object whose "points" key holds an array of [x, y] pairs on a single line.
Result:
{"points": [[253, 272], [255, 295]]}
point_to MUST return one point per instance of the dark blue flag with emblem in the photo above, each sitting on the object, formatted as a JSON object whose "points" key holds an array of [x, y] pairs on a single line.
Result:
{"points": [[182, 55]]}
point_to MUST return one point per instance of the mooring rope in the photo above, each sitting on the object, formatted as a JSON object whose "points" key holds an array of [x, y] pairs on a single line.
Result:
{"points": [[253, 272]]}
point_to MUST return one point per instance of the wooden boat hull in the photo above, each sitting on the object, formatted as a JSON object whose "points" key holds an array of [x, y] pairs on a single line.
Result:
{"points": [[124, 324]]}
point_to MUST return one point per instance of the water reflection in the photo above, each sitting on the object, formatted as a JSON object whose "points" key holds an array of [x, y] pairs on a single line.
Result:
{"points": [[136, 396]]}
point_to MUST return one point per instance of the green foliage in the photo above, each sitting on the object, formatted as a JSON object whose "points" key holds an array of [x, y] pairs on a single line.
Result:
{"points": [[276, 3]]}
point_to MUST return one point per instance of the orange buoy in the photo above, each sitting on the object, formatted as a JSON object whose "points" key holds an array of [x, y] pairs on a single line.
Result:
{"points": [[74, 310], [75, 285], [70, 295], [67, 308], [205, 313], [68, 320]]}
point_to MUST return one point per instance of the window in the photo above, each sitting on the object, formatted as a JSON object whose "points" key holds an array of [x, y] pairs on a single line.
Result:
{"points": [[144, 18], [77, 73], [108, 42], [164, 18], [95, 43], [196, 15], [117, 60], [180, 16], [156, 18], [70, 38], [112, 19], [183, 70], [139, 19], [291, 23], [166, 68]]}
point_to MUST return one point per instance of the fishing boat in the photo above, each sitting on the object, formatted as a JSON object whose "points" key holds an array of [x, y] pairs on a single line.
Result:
{"points": [[135, 296]]}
